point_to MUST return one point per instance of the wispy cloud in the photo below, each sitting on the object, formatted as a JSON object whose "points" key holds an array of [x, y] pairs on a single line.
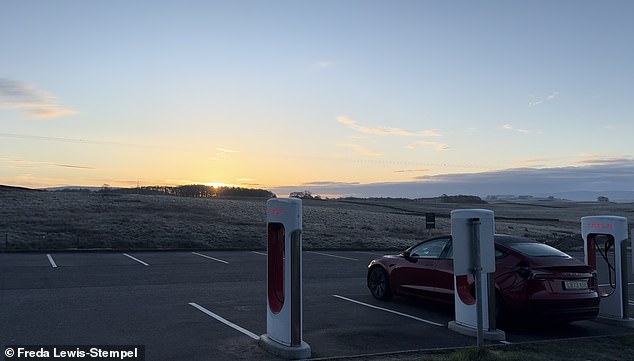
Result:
{"points": [[385, 131], [227, 150], [361, 150], [22, 163], [520, 130], [32, 102], [222, 153], [551, 97], [328, 183], [438, 146], [411, 170]]}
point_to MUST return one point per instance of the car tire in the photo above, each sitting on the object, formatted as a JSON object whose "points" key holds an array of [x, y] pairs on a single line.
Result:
{"points": [[379, 284]]}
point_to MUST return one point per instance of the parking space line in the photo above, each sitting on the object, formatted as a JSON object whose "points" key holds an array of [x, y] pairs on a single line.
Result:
{"points": [[50, 259], [332, 255], [390, 311], [211, 258], [225, 321], [136, 259], [370, 253], [260, 253]]}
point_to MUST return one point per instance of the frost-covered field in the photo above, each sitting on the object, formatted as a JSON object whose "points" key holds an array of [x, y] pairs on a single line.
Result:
{"points": [[63, 220]]}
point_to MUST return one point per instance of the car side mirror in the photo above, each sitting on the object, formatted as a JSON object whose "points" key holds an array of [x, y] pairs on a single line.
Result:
{"points": [[406, 254]]}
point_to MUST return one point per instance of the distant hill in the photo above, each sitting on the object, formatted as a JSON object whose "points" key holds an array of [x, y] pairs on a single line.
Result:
{"points": [[11, 188], [580, 196]]}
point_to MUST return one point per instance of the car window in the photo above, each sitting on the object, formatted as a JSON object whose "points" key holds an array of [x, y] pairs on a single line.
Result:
{"points": [[430, 249], [537, 250]]}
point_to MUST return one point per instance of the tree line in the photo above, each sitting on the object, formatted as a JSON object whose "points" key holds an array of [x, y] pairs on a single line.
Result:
{"points": [[193, 191]]}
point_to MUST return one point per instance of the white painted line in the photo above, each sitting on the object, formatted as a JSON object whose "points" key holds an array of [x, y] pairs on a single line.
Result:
{"points": [[215, 259], [136, 259], [506, 342], [370, 253], [226, 322], [390, 311], [50, 259], [332, 255], [260, 253]]}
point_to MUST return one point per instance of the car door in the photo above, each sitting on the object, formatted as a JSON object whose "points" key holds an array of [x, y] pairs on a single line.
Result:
{"points": [[443, 274], [419, 274]]}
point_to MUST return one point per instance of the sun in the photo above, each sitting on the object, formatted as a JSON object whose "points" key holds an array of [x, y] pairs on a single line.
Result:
{"points": [[218, 184]]}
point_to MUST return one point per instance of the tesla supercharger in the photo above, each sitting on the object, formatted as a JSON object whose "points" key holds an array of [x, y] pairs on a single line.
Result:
{"points": [[284, 280], [472, 232], [605, 246]]}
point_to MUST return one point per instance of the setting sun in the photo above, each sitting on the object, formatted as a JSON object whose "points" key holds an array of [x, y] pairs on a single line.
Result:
{"points": [[219, 184]]}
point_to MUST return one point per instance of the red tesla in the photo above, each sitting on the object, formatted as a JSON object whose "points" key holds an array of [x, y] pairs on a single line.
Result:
{"points": [[532, 279]]}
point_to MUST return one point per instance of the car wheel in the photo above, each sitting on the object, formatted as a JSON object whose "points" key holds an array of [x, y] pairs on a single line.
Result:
{"points": [[379, 284]]}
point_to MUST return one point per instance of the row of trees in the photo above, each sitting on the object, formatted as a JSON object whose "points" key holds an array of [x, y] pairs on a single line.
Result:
{"points": [[192, 190]]}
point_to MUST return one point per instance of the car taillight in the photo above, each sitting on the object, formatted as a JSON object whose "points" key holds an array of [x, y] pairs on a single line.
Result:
{"points": [[593, 282]]}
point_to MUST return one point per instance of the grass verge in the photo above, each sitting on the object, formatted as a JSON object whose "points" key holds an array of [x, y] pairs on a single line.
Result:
{"points": [[602, 348]]}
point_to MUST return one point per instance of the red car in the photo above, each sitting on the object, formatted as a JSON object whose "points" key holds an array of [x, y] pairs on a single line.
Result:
{"points": [[532, 279]]}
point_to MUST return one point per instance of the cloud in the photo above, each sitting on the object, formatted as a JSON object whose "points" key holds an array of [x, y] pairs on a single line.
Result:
{"points": [[226, 150], [385, 131], [22, 163], [361, 150], [537, 102], [440, 147], [411, 170], [520, 130], [328, 183], [33, 102], [597, 176]]}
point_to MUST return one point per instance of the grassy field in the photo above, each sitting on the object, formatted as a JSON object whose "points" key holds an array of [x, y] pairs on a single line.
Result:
{"points": [[38, 220]]}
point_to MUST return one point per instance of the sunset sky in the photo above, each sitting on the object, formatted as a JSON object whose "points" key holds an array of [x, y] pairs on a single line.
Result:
{"points": [[318, 94]]}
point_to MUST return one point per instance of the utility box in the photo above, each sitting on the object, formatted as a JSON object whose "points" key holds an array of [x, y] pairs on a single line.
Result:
{"points": [[284, 280], [463, 247]]}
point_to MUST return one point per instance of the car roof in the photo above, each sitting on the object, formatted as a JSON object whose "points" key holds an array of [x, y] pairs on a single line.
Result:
{"points": [[505, 239]]}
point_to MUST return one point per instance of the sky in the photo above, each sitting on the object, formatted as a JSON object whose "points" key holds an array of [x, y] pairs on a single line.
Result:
{"points": [[364, 98]]}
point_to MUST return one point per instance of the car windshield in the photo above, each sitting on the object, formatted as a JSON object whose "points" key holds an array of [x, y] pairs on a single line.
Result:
{"points": [[537, 250]]}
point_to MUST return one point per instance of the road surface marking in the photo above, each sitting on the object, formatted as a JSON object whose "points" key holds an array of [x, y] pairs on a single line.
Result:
{"points": [[136, 259], [370, 253], [226, 322], [334, 256], [260, 253], [215, 259], [505, 342], [390, 311], [50, 259]]}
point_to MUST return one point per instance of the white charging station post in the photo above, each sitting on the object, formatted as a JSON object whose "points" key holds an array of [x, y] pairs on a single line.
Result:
{"points": [[284, 335], [472, 232], [615, 303]]}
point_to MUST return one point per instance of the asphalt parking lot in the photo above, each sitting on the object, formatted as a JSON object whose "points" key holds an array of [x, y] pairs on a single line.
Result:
{"points": [[211, 305]]}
